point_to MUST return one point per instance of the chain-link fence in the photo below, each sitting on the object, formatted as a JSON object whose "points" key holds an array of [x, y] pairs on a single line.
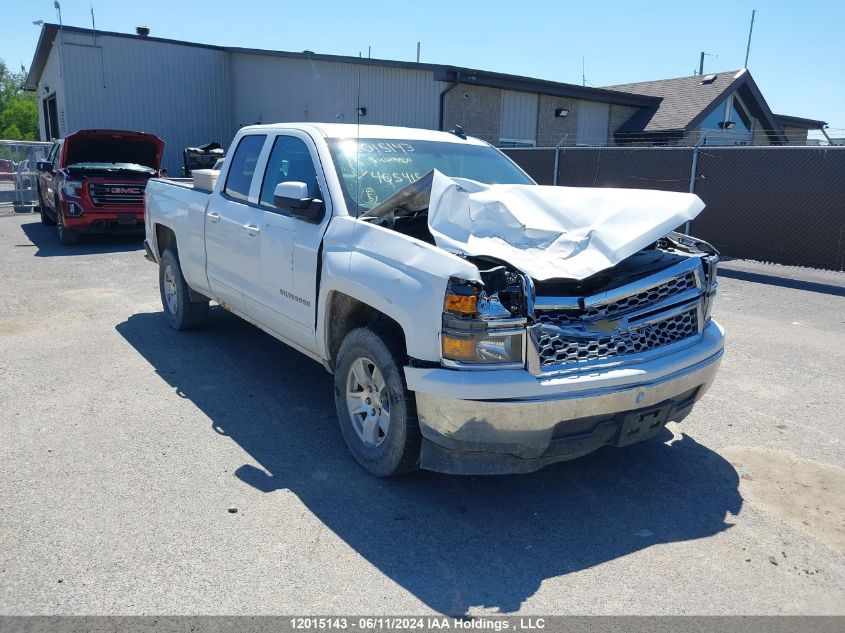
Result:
{"points": [[777, 204], [18, 160]]}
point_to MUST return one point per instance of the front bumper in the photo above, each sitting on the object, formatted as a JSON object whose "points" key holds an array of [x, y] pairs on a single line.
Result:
{"points": [[494, 422], [115, 220]]}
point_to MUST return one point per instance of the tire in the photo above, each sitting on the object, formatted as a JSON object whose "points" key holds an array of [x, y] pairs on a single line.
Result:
{"points": [[46, 220], [385, 447], [182, 313], [66, 236]]}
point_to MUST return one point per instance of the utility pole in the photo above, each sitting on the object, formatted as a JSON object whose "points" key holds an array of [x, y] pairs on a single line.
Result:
{"points": [[418, 52], [750, 31], [583, 74], [58, 8]]}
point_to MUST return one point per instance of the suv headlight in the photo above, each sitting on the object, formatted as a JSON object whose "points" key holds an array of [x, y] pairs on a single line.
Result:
{"points": [[491, 338], [72, 189]]}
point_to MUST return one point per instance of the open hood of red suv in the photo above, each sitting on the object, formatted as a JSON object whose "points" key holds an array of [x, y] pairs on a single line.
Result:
{"points": [[112, 146]]}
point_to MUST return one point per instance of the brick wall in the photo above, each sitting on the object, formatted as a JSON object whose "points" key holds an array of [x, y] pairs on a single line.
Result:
{"points": [[477, 109], [550, 129], [795, 135], [618, 115]]}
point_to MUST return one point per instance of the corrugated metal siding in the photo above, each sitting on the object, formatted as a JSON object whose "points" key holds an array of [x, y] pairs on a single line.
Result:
{"points": [[180, 93], [519, 115], [593, 123], [51, 79], [272, 89]]}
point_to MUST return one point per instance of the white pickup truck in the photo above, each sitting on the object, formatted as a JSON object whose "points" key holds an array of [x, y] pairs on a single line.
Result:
{"points": [[475, 322]]}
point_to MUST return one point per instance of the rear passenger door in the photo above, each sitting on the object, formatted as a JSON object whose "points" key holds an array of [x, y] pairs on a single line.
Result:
{"points": [[232, 228]]}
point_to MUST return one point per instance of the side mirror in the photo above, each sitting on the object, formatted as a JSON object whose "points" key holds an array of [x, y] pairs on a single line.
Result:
{"points": [[293, 197], [44, 165]]}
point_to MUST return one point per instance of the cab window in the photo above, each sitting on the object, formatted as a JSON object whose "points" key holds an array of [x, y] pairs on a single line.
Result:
{"points": [[242, 169], [54, 156], [290, 161]]}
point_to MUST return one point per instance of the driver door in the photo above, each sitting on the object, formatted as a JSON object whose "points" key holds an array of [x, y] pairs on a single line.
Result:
{"points": [[289, 246]]}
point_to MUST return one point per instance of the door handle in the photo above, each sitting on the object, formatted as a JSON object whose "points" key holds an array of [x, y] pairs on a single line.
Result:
{"points": [[252, 229], [214, 217]]}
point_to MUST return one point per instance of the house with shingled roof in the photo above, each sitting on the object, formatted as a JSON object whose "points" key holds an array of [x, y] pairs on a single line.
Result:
{"points": [[725, 108]]}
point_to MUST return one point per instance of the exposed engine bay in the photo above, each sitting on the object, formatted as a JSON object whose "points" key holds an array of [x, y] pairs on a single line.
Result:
{"points": [[506, 291]]}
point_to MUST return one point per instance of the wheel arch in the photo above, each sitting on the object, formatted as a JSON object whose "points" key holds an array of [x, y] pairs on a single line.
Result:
{"points": [[345, 313], [165, 238]]}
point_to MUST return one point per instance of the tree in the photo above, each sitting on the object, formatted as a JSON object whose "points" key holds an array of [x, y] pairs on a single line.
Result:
{"points": [[18, 108], [20, 114]]}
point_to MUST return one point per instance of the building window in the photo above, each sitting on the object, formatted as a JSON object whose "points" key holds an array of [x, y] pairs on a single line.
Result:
{"points": [[728, 124], [516, 142]]}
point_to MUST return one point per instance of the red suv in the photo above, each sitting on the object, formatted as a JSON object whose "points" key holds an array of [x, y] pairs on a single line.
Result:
{"points": [[94, 180]]}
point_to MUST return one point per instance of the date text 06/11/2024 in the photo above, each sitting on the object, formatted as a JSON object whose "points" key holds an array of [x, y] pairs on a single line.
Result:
{"points": [[418, 623]]}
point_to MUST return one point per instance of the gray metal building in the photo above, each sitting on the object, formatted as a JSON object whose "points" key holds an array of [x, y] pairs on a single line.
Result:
{"points": [[190, 94]]}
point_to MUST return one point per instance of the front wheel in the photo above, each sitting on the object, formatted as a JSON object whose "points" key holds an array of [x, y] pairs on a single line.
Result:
{"points": [[182, 313], [46, 220], [67, 236], [377, 413]]}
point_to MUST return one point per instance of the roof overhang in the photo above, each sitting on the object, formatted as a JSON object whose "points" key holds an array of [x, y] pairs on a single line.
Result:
{"points": [[796, 121], [489, 79]]}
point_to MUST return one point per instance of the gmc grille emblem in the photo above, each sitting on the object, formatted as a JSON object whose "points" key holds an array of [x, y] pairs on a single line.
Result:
{"points": [[126, 190]]}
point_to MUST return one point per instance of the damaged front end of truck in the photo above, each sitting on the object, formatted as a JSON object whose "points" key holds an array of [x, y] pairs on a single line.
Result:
{"points": [[573, 286]]}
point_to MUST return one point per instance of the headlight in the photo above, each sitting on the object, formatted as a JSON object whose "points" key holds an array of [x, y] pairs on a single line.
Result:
{"points": [[710, 266], [72, 189], [485, 345], [472, 336]]}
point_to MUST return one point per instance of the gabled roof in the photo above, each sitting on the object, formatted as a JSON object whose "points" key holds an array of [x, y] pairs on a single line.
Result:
{"points": [[442, 72], [686, 101]]}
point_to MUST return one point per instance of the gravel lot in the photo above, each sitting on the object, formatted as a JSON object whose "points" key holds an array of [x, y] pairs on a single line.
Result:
{"points": [[123, 444]]}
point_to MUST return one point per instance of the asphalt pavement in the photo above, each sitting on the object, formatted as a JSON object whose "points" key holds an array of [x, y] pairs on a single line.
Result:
{"points": [[125, 446]]}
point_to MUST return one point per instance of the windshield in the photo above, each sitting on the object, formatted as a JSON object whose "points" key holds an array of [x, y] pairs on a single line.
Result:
{"points": [[372, 170]]}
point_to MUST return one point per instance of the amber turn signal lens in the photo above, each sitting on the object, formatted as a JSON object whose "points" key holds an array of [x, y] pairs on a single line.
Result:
{"points": [[460, 304], [459, 348]]}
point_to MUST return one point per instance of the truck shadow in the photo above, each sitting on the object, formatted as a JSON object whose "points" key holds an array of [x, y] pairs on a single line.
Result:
{"points": [[454, 542], [47, 242]]}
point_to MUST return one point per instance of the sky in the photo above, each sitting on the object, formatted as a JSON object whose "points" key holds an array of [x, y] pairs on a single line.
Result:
{"points": [[797, 50]]}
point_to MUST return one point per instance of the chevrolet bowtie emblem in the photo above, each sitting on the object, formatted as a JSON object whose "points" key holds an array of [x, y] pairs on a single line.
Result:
{"points": [[605, 325]]}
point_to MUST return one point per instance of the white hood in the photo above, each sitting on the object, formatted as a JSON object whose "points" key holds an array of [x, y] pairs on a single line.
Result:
{"points": [[549, 232]]}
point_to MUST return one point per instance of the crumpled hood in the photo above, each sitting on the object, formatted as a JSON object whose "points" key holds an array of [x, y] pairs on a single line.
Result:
{"points": [[552, 232]]}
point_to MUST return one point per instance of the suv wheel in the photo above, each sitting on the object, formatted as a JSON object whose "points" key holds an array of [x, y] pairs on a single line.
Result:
{"points": [[377, 413], [66, 235], [46, 220], [182, 313]]}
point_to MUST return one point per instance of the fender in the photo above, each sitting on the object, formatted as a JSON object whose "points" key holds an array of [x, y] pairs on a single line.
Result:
{"points": [[400, 276]]}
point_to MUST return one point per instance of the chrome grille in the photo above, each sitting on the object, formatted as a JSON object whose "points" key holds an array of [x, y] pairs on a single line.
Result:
{"points": [[117, 194], [647, 297], [554, 348]]}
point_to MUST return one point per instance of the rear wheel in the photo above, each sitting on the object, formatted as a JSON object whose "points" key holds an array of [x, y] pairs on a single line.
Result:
{"points": [[377, 413], [182, 313]]}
